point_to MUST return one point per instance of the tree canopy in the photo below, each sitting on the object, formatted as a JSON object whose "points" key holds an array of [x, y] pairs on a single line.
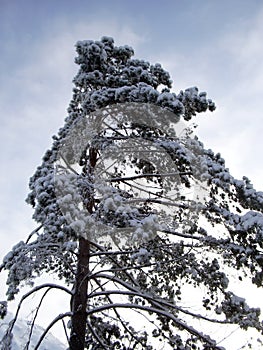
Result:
{"points": [[147, 228]]}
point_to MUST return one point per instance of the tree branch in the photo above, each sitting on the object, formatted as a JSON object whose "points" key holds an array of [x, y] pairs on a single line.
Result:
{"points": [[35, 289], [166, 314], [34, 319], [58, 318], [116, 179], [159, 301]]}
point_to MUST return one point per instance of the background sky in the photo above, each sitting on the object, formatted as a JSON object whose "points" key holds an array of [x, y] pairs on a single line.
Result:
{"points": [[214, 45]]}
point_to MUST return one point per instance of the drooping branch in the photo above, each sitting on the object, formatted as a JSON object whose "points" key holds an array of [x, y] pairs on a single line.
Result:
{"points": [[50, 286], [155, 301], [58, 318], [133, 336], [34, 319], [160, 312]]}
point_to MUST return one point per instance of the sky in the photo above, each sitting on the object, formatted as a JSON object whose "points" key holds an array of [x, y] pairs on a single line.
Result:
{"points": [[214, 45]]}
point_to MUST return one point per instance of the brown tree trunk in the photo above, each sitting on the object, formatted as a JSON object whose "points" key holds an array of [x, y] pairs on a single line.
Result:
{"points": [[79, 299]]}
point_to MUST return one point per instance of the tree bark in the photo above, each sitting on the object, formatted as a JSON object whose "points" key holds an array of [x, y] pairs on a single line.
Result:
{"points": [[79, 298]]}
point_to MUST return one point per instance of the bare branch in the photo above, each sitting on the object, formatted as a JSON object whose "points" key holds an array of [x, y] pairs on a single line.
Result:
{"points": [[33, 232], [153, 200], [58, 318], [146, 175], [34, 319], [32, 291]]}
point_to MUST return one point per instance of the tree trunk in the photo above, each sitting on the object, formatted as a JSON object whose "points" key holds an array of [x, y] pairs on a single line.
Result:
{"points": [[79, 299]]}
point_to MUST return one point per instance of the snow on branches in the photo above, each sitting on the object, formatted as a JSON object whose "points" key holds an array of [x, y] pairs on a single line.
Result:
{"points": [[135, 213]]}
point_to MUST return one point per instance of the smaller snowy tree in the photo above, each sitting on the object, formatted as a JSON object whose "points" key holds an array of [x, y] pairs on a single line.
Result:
{"points": [[147, 226]]}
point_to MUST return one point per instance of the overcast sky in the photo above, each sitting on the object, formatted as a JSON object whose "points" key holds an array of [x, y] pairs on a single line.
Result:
{"points": [[214, 45]]}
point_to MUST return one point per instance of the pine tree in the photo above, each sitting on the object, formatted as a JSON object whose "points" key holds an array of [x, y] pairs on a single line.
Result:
{"points": [[135, 214]]}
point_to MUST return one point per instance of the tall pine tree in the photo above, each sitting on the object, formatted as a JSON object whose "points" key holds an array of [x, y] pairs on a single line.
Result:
{"points": [[137, 216]]}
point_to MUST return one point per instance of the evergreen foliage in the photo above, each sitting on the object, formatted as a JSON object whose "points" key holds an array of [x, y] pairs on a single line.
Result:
{"points": [[142, 219]]}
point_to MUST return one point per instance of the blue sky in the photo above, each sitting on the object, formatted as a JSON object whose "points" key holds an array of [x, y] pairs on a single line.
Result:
{"points": [[215, 45]]}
